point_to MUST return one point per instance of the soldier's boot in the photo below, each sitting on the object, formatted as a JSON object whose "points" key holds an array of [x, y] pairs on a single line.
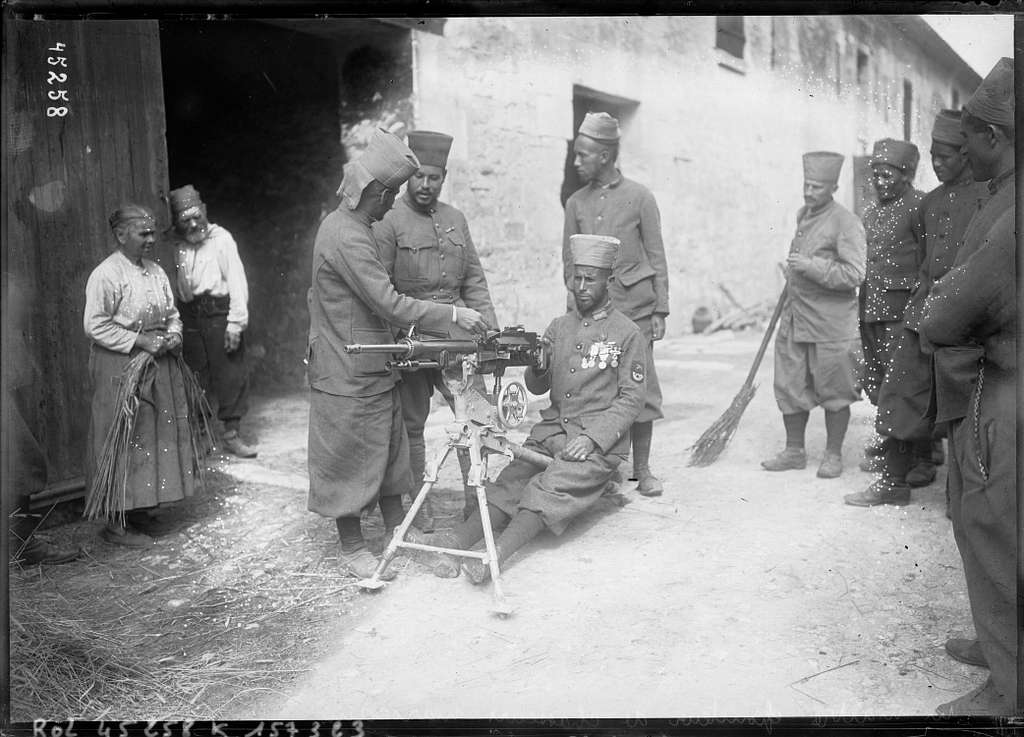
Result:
{"points": [[892, 487], [982, 701], [836, 423], [523, 528], [966, 651], [789, 459], [938, 451], [793, 457], [647, 483], [354, 558], [922, 470]]}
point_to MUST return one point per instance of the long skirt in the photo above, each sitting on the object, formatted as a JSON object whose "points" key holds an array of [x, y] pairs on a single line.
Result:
{"points": [[358, 452], [160, 463]]}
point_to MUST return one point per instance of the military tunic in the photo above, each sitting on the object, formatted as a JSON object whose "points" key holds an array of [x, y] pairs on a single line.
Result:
{"points": [[597, 385], [905, 396], [893, 259], [955, 367], [975, 305], [357, 445], [431, 256], [626, 210], [816, 347]]}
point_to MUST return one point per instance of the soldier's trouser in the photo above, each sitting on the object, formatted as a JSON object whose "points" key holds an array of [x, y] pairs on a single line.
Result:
{"points": [[417, 388], [811, 374], [983, 505], [878, 341], [223, 375], [557, 493], [905, 393]]}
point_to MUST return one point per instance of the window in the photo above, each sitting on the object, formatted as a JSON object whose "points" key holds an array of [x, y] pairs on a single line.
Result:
{"points": [[729, 35], [908, 108]]}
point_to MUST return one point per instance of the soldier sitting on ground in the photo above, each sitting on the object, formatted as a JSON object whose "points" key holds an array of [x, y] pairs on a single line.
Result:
{"points": [[596, 377]]}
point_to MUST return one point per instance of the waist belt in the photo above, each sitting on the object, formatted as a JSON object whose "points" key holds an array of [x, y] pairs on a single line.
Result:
{"points": [[205, 305]]}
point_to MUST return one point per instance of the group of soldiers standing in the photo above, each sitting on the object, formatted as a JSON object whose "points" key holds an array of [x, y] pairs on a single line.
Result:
{"points": [[381, 265], [934, 320]]}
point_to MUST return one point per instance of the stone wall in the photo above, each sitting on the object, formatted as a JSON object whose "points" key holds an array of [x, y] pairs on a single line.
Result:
{"points": [[717, 139]]}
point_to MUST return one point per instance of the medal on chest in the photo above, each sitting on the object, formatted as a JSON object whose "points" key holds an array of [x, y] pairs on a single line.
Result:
{"points": [[602, 354]]}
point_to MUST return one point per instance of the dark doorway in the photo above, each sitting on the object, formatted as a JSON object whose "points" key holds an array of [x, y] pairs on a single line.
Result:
{"points": [[586, 100], [253, 124]]}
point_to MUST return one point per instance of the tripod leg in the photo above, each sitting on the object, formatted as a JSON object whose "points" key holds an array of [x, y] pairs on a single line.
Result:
{"points": [[501, 606], [376, 581]]}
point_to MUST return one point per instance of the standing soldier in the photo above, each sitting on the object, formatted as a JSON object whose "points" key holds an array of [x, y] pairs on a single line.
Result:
{"points": [[892, 261], [971, 316], [903, 400], [816, 348], [213, 299], [426, 247], [358, 451], [612, 205]]}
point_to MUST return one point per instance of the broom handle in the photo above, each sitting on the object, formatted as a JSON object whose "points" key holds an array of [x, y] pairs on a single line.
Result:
{"points": [[767, 337]]}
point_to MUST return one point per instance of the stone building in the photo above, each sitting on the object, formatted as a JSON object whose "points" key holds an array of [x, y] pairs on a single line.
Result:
{"points": [[715, 111]]}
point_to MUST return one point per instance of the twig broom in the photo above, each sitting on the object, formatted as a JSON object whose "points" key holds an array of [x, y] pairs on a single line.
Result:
{"points": [[109, 489], [711, 444]]}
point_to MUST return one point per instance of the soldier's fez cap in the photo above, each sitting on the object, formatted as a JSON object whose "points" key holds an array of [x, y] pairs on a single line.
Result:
{"points": [[901, 154], [385, 159], [823, 166], [993, 100], [431, 148], [601, 127], [594, 250], [184, 200], [947, 128]]}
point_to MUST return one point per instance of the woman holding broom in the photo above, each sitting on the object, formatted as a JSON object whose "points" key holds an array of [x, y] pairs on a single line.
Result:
{"points": [[142, 453]]}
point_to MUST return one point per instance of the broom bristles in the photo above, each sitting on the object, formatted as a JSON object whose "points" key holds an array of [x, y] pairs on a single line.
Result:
{"points": [[711, 444], [109, 490], [108, 493]]}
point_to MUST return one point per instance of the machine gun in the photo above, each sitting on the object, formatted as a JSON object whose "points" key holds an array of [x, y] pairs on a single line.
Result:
{"points": [[492, 354], [481, 419]]}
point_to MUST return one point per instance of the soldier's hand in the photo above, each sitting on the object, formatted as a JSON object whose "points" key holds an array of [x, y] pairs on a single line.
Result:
{"points": [[232, 339], [797, 263], [658, 326], [471, 320], [578, 449]]}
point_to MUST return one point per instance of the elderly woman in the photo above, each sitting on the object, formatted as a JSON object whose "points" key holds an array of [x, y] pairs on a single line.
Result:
{"points": [[129, 308]]}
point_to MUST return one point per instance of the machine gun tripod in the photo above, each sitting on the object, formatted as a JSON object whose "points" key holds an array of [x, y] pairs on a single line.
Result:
{"points": [[479, 427]]}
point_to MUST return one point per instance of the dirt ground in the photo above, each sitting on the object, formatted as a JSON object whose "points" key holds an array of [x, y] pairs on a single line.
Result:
{"points": [[738, 592]]}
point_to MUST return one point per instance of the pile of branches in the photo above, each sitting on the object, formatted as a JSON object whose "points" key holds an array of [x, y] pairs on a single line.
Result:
{"points": [[739, 316]]}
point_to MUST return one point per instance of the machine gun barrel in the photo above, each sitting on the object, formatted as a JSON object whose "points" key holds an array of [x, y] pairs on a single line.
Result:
{"points": [[406, 348]]}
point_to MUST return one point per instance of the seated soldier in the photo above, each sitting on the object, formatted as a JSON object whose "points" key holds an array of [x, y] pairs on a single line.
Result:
{"points": [[597, 384]]}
